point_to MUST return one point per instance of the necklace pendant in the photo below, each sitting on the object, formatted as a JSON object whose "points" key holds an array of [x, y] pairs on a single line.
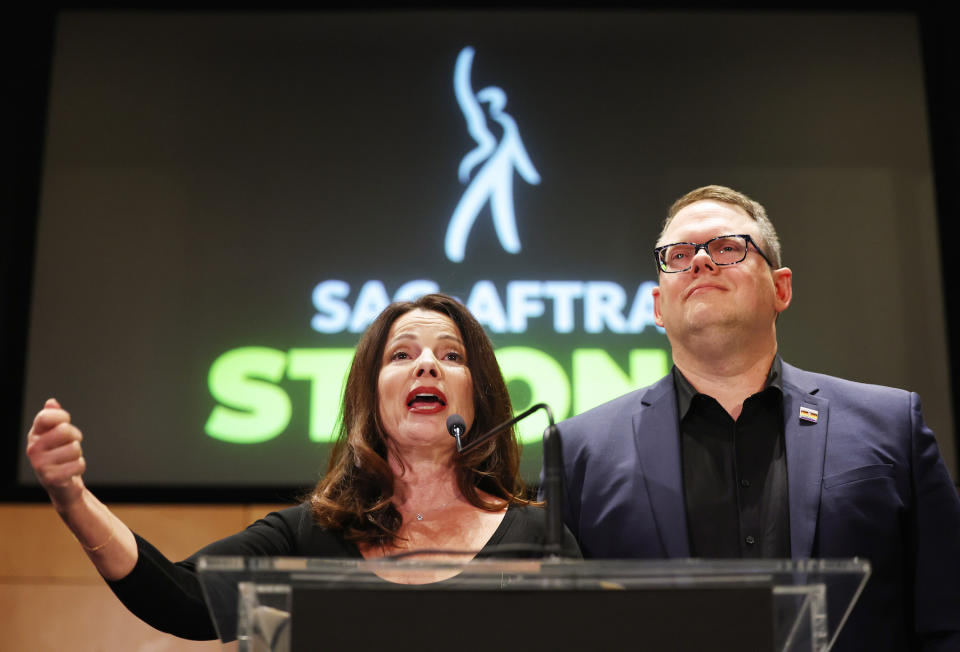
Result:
{"points": [[419, 516]]}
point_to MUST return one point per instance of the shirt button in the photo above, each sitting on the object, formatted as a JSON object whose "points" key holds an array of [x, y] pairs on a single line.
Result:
{"points": [[750, 540], [744, 483]]}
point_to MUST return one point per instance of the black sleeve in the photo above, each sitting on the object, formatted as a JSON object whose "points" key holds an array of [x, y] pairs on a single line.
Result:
{"points": [[168, 595]]}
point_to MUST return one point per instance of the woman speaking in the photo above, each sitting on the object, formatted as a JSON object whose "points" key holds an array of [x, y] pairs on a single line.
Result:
{"points": [[395, 482]]}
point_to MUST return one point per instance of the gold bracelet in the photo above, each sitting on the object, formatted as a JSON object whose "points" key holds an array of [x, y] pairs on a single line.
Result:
{"points": [[113, 531]]}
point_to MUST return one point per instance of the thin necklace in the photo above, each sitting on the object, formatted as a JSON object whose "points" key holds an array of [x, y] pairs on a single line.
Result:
{"points": [[436, 509]]}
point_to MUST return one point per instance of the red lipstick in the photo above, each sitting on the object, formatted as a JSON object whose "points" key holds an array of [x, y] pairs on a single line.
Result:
{"points": [[426, 400]]}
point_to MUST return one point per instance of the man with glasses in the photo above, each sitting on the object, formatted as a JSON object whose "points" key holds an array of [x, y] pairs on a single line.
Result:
{"points": [[737, 454]]}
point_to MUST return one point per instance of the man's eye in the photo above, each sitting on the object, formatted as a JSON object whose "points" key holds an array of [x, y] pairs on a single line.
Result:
{"points": [[678, 255]]}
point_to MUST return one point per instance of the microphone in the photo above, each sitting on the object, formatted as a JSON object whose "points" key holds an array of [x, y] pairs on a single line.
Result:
{"points": [[456, 427], [552, 468]]}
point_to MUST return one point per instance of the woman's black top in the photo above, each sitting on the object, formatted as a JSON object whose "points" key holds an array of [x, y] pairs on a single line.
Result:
{"points": [[168, 596]]}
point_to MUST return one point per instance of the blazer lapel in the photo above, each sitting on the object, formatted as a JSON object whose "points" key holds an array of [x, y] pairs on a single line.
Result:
{"points": [[657, 438], [806, 437]]}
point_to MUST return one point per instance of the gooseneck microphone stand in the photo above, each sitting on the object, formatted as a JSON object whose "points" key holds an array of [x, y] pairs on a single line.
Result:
{"points": [[552, 468]]}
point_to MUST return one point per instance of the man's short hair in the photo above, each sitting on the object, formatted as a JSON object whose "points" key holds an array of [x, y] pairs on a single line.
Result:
{"points": [[770, 243]]}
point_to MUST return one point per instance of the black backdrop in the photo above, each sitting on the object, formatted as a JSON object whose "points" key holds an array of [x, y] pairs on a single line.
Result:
{"points": [[780, 139]]}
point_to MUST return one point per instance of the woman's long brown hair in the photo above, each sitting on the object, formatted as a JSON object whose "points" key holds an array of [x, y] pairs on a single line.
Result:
{"points": [[354, 497]]}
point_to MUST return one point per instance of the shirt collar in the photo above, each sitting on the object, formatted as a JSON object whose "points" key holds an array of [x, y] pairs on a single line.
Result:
{"points": [[685, 391]]}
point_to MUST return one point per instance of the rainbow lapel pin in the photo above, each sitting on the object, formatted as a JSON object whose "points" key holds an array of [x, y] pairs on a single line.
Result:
{"points": [[808, 413]]}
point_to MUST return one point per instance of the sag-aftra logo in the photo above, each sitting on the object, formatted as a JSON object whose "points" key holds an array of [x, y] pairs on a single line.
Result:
{"points": [[247, 382]]}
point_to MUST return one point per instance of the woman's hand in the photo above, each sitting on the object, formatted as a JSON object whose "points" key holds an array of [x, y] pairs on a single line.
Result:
{"points": [[53, 446]]}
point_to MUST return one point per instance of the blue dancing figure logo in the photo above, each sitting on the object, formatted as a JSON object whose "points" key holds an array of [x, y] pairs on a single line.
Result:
{"points": [[493, 182]]}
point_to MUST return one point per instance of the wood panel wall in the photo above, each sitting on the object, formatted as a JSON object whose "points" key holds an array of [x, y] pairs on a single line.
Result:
{"points": [[51, 597]]}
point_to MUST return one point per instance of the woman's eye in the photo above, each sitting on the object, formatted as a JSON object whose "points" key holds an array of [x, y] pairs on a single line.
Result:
{"points": [[399, 355], [453, 356]]}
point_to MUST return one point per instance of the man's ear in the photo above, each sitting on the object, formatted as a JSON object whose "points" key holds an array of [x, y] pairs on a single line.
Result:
{"points": [[783, 284], [658, 318]]}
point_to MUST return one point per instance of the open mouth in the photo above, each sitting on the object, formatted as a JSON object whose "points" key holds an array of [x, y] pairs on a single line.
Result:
{"points": [[426, 399]]}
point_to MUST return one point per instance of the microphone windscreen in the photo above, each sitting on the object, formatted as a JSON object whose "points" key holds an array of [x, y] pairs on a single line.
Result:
{"points": [[456, 425]]}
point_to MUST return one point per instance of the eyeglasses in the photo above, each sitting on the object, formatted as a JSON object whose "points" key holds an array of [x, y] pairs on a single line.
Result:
{"points": [[723, 250]]}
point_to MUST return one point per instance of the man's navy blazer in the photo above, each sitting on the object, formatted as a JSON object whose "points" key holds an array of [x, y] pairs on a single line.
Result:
{"points": [[865, 480]]}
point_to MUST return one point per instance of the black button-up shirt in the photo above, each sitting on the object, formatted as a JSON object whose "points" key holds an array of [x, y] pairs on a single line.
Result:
{"points": [[735, 472]]}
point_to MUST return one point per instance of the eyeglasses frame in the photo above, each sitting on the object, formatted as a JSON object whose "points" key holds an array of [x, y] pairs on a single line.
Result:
{"points": [[704, 245]]}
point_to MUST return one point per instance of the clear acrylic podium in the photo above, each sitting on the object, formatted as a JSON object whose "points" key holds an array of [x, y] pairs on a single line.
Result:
{"points": [[295, 604]]}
